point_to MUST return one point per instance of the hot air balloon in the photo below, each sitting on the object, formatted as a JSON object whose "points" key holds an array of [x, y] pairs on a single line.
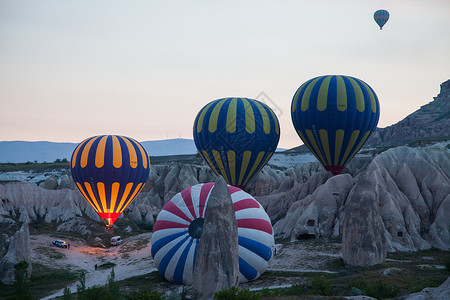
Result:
{"points": [[178, 229], [334, 116], [381, 17], [110, 171], [236, 137]]}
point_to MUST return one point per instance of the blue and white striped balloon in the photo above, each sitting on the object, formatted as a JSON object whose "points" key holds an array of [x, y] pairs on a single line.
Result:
{"points": [[177, 232]]}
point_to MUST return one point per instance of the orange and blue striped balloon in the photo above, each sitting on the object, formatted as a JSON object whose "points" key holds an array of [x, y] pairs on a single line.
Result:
{"points": [[109, 171], [335, 116], [236, 137]]}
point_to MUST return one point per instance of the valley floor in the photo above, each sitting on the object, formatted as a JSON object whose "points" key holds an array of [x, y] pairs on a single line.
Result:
{"points": [[295, 263], [133, 258]]}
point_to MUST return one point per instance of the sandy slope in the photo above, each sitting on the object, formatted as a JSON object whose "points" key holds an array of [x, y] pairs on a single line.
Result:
{"points": [[132, 258]]}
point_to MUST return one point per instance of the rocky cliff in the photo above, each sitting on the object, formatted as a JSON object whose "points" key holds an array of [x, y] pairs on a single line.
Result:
{"points": [[430, 121]]}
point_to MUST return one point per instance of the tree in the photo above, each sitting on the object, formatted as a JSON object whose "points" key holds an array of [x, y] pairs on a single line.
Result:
{"points": [[81, 287], [67, 293], [21, 280], [113, 285]]}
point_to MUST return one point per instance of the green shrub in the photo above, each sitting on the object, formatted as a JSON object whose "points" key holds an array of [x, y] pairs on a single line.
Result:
{"points": [[67, 293], [53, 275], [265, 292], [321, 286], [144, 225], [51, 253], [143, 294], [296, 289], [21, 280], [359, 285], [81, 287], [447, 262], [234, 293], [355, 291], [96, 293], [425, 282], [380, 290]]}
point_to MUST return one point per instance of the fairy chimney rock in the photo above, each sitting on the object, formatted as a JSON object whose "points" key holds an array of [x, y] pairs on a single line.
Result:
{"points": [[363, 240], [217, 261], [19, 249]]}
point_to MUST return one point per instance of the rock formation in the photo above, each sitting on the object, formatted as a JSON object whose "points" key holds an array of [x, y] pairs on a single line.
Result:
{"points": [[411, 185], [50, 183], [52, 205], [313, 212], [431, 120], [297, 185], [363, 240], [19, 249], [217, 262]]}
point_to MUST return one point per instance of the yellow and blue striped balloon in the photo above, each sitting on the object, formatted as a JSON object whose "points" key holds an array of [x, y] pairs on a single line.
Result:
{"points": [[381, 16], [236, 137], [110, 171], [334, 116]]}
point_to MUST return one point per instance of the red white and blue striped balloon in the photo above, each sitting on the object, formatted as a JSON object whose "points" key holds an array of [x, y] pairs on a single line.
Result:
{"points": [[177, 232]]}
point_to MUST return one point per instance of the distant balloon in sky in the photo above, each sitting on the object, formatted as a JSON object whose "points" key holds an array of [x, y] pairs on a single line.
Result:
{"points": [[109, 171], [334, 116], [178, 229], [381, 17], [236, 137]]}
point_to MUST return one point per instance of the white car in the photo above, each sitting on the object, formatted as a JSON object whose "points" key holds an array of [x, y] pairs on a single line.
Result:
{"points": [[116, 240], [60, 244]]}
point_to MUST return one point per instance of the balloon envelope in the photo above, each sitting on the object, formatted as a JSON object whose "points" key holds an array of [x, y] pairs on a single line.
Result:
{"points": [[236, 137], [110, 171], [178, 229], [381, 17], [334, 116]]}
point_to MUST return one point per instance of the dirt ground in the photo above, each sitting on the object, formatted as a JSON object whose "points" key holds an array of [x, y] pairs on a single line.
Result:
{"points": [[133, 258], [297, 257]]}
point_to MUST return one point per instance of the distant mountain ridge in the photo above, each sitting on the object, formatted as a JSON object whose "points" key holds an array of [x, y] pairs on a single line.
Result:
{"points": [[22, 151], [430, 121]]}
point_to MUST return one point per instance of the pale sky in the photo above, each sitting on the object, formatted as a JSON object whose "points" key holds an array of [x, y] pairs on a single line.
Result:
{"points": [[73, 69]]}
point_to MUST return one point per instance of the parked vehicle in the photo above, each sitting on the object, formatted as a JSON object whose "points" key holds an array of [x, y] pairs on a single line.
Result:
{"points": [[60, 244], [116, 240]]}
